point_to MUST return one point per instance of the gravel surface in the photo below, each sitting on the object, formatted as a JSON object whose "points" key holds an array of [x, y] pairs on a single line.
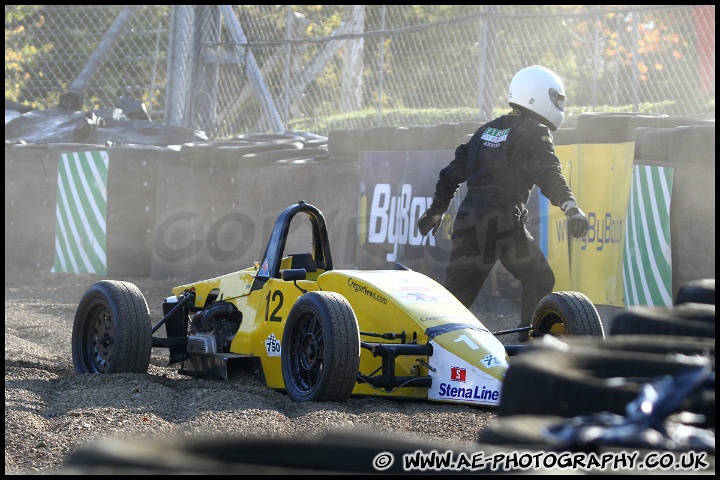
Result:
{"points": [[50, 412]]}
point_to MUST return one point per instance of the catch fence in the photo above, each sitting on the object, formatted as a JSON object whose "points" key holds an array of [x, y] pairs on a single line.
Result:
{"points": [[235, 69]]}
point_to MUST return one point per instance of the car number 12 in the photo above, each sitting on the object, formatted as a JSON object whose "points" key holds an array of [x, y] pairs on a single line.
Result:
{"points": [[277, 296]]}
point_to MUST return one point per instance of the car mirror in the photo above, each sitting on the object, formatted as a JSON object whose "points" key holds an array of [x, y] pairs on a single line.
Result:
{"points": [[293, 274]]}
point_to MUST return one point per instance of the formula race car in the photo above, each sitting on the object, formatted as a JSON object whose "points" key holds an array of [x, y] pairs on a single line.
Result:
{"points": [[316, 333]]}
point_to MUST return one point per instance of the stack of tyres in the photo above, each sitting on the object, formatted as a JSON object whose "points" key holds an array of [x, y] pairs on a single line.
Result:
{"points": [[648, 387], [693, 314]]}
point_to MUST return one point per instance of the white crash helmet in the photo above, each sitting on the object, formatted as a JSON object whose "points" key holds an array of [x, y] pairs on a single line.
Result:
{"points": [[541, 91]]}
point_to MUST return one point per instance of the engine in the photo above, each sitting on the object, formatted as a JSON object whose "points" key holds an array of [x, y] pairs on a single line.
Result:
{"points": [[213, 328]]}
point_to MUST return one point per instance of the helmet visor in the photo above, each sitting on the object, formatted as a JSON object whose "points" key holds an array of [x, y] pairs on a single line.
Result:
{"points": [[558, 99]]}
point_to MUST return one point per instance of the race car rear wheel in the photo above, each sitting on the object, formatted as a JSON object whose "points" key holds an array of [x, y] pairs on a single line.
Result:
{"points": [[112, 331], [566, 313], [320, 349]]}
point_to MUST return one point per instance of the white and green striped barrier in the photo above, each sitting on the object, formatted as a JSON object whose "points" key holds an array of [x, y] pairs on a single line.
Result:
{"points": [[81, 228], [647, 260]]}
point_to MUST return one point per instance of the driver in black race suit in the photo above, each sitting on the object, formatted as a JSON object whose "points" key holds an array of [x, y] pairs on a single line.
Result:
{"points": [[501, 164]]}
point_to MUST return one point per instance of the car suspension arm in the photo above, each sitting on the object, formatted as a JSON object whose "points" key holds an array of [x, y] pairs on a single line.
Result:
{"points": [[389, 352], [187, 296]]}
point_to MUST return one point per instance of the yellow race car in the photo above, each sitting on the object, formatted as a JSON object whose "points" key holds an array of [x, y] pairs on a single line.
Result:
{"points": [[316, 333]]}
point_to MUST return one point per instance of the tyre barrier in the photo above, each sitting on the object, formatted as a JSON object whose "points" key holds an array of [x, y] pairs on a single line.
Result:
{"points": [[593, 434], [692, 150], [652, 394], [416, 138], [448, 136], [338, 451], [469, 128], [376, 139], [307, 136], [598, 127], [685, 320], [655, 344], [316, 143], [305, 156], [270, 137], [697, 291], [232, 154], [401, 142], [565, 136], [584, 394], [701, 312], [661, 122], [271, 157], [444, 136], [343, 143], [30, 238], [572, 383], [652, 145], [432, 139]]}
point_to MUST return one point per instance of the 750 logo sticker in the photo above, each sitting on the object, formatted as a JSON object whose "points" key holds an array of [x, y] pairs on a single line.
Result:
{"points": [[272, 345]]}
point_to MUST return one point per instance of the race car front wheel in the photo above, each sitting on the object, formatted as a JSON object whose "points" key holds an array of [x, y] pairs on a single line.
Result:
{"points": [[112, 331], [320, 349], [566, 313]]}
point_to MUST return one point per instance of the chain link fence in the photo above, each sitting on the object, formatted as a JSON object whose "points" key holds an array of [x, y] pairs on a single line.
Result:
{"points": [[231, 70]]}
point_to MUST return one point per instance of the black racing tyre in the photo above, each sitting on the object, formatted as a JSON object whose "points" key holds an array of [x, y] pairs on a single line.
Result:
{"points": [[530, 432], [697, 291], [685, 320], [697, 312], [603, 127], [656, 344], [343, 451], [303, 154], [566, 313], [111, 331], [316, 142], [540, 433], [320, 349], [270, 137], [572, 383], [521, 431]]}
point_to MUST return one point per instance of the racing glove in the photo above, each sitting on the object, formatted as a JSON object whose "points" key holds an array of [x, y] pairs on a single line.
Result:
{"points": [[577, 221], [430, 220]]}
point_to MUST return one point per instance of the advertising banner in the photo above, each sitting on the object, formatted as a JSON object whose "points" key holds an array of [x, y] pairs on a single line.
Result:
{"points": [[600, 176], [397, 187]]}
